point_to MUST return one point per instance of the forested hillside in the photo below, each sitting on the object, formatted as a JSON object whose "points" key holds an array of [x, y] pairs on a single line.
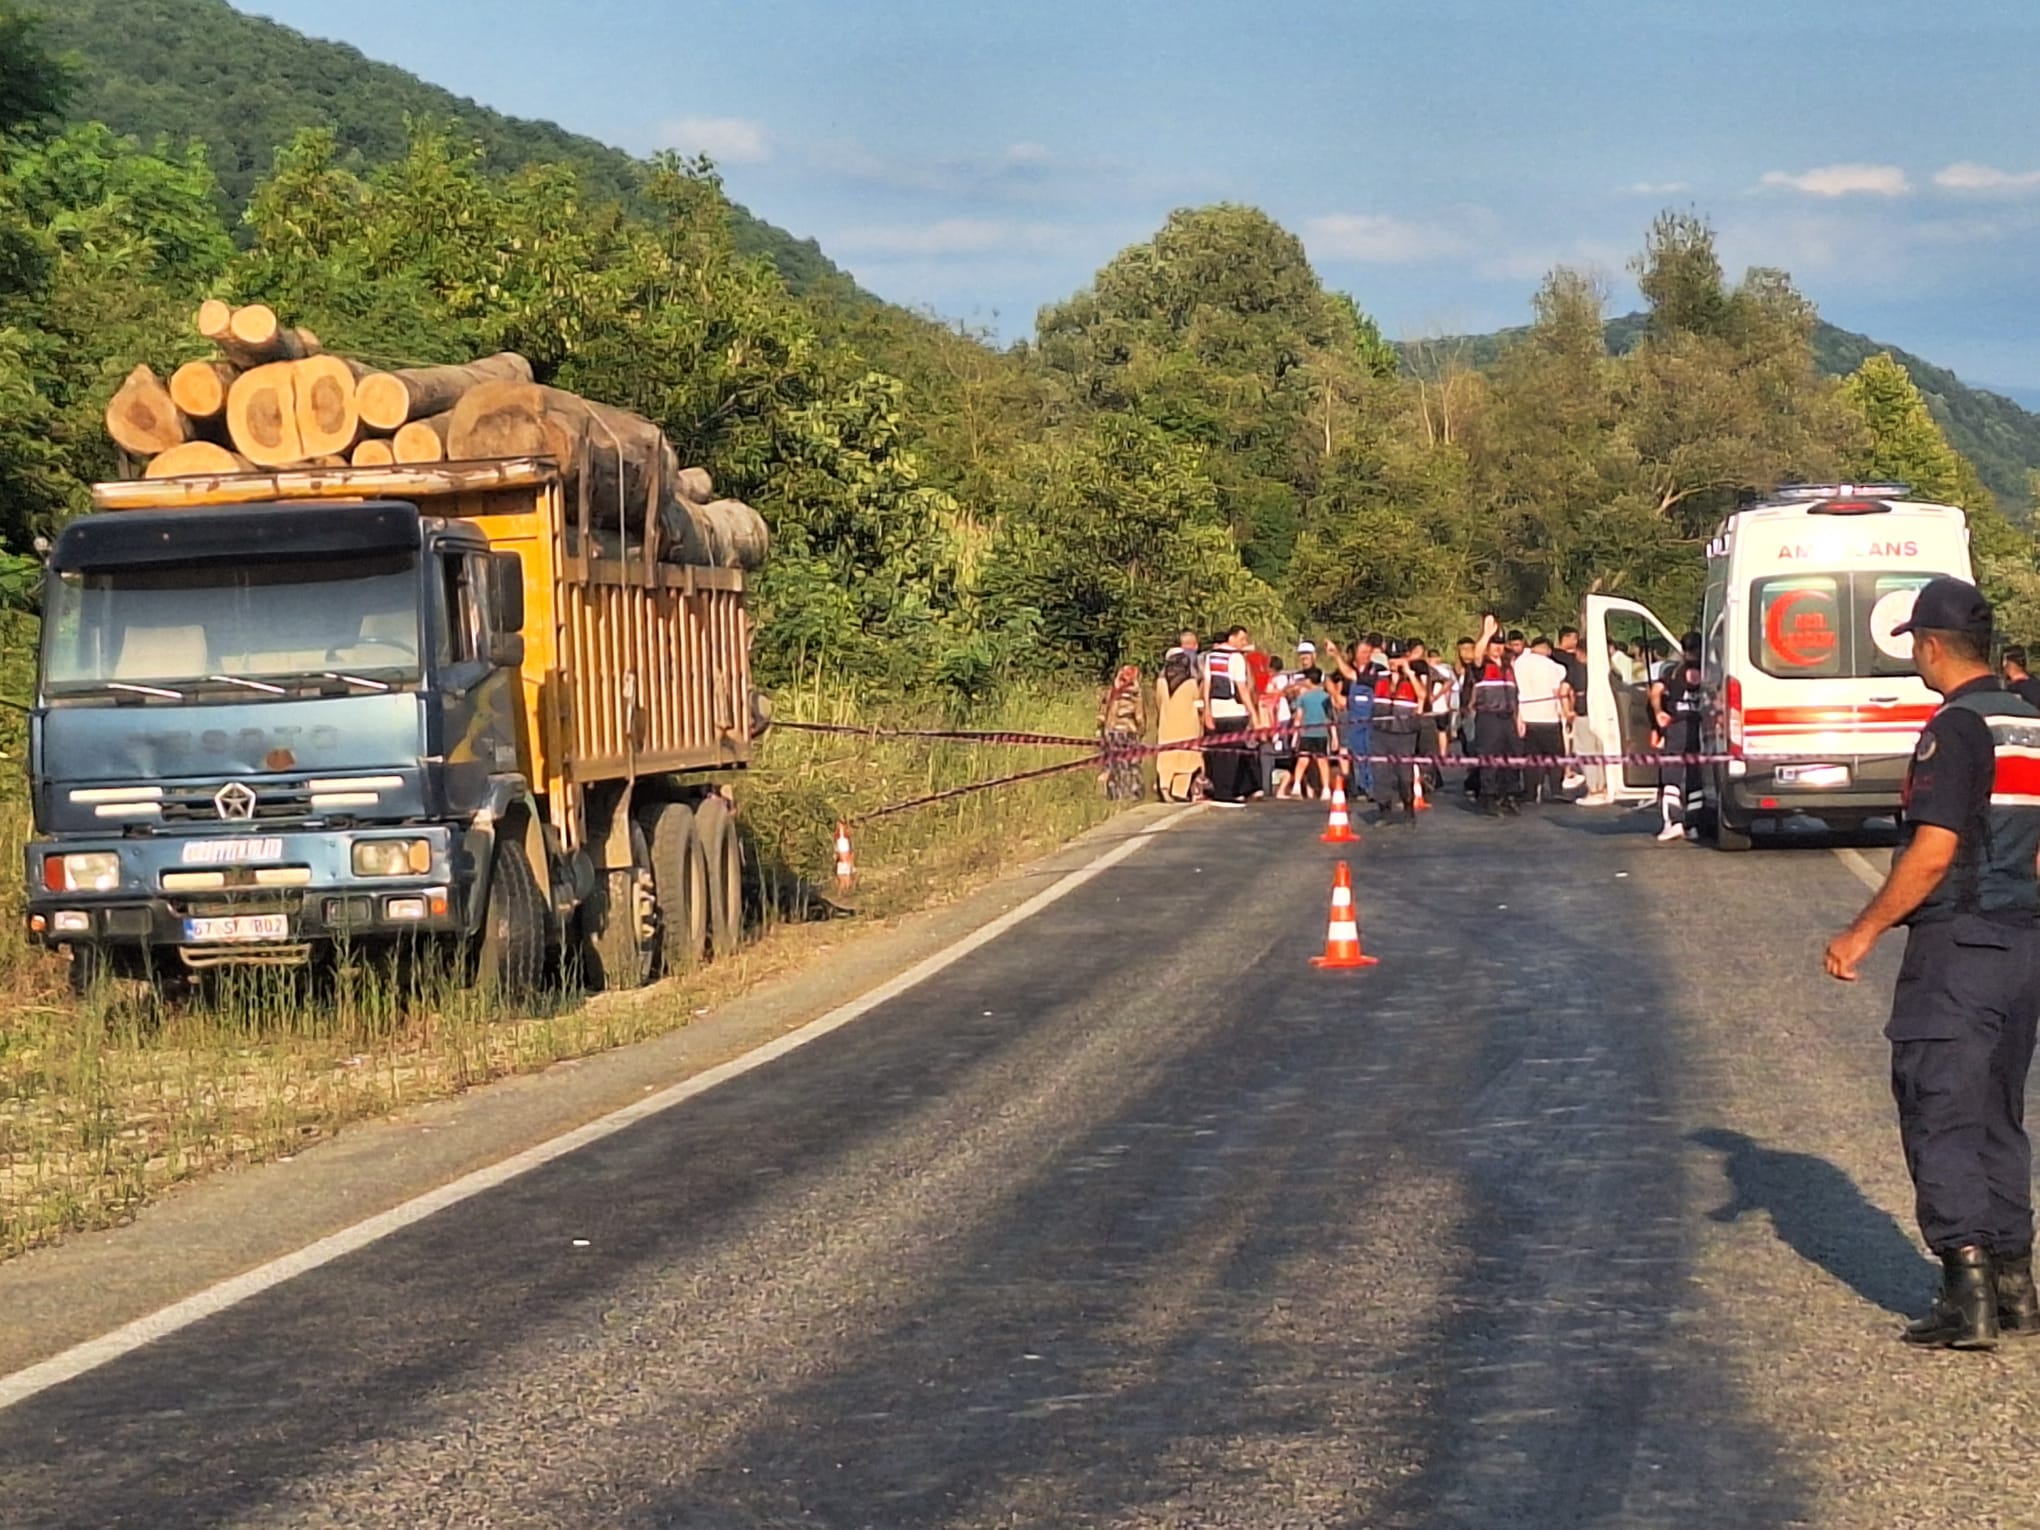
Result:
{"points": [[1203, 434], [199, 70], [1996, 434]]}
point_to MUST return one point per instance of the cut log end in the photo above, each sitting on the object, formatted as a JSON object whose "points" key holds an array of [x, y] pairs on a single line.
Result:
{"points": [[199, 388], [376, 451], [421, 440], [262, 415], [212, 319], [142, 418], [194, 458], [328, 418], [253, 337]]}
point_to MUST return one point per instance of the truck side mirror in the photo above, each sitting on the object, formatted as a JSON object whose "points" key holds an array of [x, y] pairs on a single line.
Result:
{"points": [[506, 592]]}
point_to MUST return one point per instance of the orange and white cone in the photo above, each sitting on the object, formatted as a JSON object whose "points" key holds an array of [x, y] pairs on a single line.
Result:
{"points": [[1342, 937], [1339, 830], [846, 863], [1420, 803]]}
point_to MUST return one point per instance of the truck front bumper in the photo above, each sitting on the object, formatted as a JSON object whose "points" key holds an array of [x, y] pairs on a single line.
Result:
{"points": [[272, 901]]}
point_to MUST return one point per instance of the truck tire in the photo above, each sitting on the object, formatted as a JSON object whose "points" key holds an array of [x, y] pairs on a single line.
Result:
{"points": [[509, 961], [680, 880], [623, 936], [716, 827]]}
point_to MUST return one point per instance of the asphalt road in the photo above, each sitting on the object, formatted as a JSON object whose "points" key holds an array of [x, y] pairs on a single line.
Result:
{"points": [[1583, 1208]]}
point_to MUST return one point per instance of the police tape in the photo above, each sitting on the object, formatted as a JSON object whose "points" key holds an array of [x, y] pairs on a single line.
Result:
{"points": [[951, 735], [1090, 760], [1257, 741], [1252, 739]]}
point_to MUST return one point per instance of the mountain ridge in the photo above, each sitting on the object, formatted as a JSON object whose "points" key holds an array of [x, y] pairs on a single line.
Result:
{"points": [[243, 85], [1999, 435]]}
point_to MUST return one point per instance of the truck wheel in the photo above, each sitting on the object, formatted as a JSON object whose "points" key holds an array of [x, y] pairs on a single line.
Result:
{"points": [[623, 926], [680, 879], [716, 828], [510, 958]]}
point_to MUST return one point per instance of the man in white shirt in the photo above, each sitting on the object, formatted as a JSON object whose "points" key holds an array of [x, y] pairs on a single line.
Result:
{"points": [[1541, 691]]}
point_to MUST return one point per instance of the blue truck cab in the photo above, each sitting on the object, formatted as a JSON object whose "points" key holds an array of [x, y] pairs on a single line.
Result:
{"points": [[264, 731]]}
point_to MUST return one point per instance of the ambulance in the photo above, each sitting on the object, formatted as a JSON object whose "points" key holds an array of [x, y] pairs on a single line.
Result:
{"points": [[1811, 700]]}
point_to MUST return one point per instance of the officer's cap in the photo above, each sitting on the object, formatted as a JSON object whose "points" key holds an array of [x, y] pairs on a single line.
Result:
{"points": [[1948, 605], [1397, 648]]}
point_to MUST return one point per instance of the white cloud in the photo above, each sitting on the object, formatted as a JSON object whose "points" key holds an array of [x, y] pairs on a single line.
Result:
{"points": [[950, 237], [1967, 175], [1845, 181], [726, 140], [1656, 188], [1376, 239]]}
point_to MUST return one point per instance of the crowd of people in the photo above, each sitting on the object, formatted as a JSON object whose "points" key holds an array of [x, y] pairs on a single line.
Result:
{"points": [[1238, 723]]}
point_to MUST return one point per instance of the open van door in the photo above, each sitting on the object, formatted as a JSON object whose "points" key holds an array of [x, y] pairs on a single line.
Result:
{"points": [[1624, 643]]}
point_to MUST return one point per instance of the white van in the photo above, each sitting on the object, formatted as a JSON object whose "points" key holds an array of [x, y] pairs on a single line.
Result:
{"points": [[1808, 691]]}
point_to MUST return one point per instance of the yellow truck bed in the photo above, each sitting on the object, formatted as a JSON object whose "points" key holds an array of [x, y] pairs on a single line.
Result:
{"points": [[632, 667]]}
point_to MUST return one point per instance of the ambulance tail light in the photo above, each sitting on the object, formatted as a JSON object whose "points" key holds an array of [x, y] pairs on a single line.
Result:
{"points": [[1734, 718]]}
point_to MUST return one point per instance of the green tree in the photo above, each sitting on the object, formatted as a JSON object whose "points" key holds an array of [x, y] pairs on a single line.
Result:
{"points": [[1110, 540]]}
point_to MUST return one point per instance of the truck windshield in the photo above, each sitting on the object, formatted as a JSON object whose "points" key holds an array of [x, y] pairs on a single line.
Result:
{"points": [[1832, 626], [178, 628]]}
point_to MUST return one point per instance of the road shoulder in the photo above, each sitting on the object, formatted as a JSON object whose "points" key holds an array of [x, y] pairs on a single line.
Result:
{"points": [[233, 1222]]}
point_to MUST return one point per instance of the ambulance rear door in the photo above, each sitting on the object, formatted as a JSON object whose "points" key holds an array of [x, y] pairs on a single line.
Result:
{"points": [[1626, 645]]}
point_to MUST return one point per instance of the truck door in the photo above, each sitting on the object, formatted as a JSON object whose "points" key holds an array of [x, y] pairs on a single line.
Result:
{"points": [[1625, 643]]}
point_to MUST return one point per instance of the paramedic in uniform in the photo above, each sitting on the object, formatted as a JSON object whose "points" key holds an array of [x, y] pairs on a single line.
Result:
{"points": [[1962, 1017]]}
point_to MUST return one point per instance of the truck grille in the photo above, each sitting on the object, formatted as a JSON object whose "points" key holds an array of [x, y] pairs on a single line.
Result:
{"points": [[276, 801]]}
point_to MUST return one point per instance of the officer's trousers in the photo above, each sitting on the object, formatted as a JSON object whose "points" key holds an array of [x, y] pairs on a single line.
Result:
{"points": [[1961, 1032], [1495, 733], [1395, 782]]}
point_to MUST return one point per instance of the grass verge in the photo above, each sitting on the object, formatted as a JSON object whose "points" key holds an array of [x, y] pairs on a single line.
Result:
{"points": [[107, 1101]]}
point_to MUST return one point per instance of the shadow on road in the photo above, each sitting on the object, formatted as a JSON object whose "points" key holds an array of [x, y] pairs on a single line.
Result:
{"points": [[1822, 1217]]}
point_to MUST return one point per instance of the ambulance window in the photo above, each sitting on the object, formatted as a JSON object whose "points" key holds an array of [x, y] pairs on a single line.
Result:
{"points": [[1883, 601], [1797, 628]]}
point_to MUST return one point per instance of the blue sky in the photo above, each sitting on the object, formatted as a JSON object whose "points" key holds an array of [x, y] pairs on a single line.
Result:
{"points": [[1436, 157]]}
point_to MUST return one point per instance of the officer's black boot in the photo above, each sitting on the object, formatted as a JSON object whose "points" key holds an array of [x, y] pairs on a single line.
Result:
{"points": [[1965, 1314], [2018, 1303]]}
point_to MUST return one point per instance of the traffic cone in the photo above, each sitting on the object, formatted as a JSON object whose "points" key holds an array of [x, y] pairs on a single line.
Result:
{"points": [[1339, 831], [1421, 803], [1342, 938], [846, 863]]}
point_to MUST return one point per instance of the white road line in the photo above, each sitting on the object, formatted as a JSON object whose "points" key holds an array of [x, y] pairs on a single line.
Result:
{"points": [[1864, 868], [93, 1353]]}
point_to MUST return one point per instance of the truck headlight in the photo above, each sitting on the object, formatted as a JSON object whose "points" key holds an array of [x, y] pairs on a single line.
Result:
{"points": [[392, 857], [94, 871]]}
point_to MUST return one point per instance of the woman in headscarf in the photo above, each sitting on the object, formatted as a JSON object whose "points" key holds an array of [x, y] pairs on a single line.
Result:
{"points": [[1122, 721], [1179, 772]]}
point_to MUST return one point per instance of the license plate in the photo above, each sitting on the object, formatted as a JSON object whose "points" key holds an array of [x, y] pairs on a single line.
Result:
{"points": [[225, 852], [1813, 775], [239, 927]]}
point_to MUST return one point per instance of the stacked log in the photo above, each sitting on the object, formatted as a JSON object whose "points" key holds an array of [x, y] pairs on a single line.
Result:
{"points": [[391, 400], [142, 418], [274, 398]]}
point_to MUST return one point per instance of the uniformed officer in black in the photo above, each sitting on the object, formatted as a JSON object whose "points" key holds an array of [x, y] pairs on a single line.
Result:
{"points": [[1963, 1013], [1398, 707]]}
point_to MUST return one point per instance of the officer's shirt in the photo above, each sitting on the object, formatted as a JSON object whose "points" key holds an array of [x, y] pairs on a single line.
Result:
{"points": [[1949, 780]]}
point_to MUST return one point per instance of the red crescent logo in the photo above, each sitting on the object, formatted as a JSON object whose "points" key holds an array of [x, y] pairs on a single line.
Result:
{"points": [[1786, 645]]}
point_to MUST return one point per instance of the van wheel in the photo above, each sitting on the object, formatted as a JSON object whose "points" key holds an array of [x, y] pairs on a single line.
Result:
{"points": [[624, 935], [509, 962], [680, 881], [716, 828]]}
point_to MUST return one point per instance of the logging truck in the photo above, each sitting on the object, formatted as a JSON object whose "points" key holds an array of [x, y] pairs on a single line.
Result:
{"points": [[283, 713]]}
